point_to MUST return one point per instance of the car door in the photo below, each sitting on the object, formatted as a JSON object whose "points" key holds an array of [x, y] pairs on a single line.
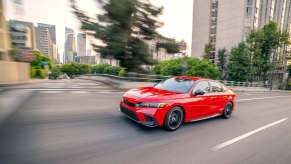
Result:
{"points": [[217, 96], [199, 104]]}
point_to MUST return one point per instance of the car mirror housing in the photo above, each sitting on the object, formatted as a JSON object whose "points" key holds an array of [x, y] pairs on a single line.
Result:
{"points": [[199, 92]]}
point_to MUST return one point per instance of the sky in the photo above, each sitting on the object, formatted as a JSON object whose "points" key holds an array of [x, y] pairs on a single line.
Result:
{"points": [[177, 16]]}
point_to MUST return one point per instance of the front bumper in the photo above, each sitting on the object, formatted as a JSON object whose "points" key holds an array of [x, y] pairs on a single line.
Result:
{"points": [[140, 116]]}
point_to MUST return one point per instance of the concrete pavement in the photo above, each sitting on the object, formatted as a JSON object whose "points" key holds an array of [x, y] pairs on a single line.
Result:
{"points": [[77, 121]]}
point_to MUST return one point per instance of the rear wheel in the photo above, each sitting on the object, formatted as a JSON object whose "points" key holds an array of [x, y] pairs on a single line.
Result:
{"points": [[227, 110], [174, 119]]}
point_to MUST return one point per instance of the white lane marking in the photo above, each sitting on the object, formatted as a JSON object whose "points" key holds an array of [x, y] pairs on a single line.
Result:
{"points": [[236, 139], [260, 98], [78, 92], [51, 92]]}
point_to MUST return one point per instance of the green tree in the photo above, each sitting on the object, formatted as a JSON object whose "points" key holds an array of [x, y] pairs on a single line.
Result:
{"points": [[187, 66], [208, 51], [239, 63], [263, 43], [221, 64], [123, 27], [170, 45], [75, 69], [38, 65]]}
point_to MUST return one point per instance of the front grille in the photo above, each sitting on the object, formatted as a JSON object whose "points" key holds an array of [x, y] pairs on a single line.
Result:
{"points": [[128, 103], [128, 112]]}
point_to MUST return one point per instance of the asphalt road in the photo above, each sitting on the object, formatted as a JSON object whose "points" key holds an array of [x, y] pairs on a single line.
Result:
{"points": [[78, 122]]}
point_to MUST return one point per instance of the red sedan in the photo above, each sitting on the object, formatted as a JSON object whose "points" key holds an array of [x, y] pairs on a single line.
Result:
{"points": [[176, 100]]}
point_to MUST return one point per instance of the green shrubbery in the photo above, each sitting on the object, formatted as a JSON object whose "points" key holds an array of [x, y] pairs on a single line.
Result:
{"points": [[38, 72], [108, 69], [187, 66], [37, 66], [80, 69], [75, 69]]}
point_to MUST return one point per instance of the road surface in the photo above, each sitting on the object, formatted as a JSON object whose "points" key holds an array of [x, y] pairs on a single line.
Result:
{"points": [[78, 122]]}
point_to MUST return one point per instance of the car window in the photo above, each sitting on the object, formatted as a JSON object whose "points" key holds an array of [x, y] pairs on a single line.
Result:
{"points": [[216, 87], [202, 85], [179, 85]]}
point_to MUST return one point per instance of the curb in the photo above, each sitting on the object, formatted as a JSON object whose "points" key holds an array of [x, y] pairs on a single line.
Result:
{"points": [[23, 83]]}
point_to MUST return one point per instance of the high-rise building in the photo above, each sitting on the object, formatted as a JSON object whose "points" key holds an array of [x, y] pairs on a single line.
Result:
{"points": [[46, 39], [70, 46], [22, 34], [81, 44], [51, 29], [225, 23], [4, 41]]}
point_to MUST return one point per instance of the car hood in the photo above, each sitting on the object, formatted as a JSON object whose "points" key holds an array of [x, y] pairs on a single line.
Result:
{"points": [[151, 94]]}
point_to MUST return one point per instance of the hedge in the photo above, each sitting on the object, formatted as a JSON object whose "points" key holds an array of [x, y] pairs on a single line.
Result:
{"points": [[187, 66], [80, 69]]}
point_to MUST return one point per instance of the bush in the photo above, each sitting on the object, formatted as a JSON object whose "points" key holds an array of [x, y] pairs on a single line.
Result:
{"points": [[38, 72], [108, 69], [187, 66], [55, 72], [112, 70], [33, 72], [41, 73], [122, 72], [75, 69], [100, 68]]}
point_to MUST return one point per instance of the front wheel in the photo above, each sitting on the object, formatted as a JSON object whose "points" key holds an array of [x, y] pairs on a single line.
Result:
{"points": [[174, 119], [227, 110]]}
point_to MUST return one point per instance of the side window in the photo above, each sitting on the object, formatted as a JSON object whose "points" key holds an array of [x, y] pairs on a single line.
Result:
{"points": [[203, 85], [216, 87]]}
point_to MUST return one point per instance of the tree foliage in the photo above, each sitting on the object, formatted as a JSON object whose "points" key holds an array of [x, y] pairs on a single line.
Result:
{"points": [[208, 51], [123, 28], [263, 43], [170, 45], [222, 61], [239, 63], [75, 69], [187, 66], [253, 59]]}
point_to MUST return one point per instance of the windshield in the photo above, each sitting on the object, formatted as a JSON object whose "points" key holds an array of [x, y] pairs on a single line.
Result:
{"points": [[179, 85]]}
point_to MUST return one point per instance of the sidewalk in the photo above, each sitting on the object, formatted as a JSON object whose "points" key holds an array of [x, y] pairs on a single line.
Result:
{"points": [[31, 81]]}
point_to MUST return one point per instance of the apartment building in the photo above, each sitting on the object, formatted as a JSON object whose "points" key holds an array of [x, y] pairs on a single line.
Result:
{"points": [[70, 46], [46, 39], [4, 41], [225, 23], [22, 34]]}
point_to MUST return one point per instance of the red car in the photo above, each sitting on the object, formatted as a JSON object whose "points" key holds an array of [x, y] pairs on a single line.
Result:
{"points": [[176, 100]]}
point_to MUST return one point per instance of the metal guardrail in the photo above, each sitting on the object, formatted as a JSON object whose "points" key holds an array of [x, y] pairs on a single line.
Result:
{"points": [[131, 76], [243, 84]]}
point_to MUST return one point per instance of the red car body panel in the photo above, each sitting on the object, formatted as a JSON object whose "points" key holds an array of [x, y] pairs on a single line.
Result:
{"points": [[194, 107]]}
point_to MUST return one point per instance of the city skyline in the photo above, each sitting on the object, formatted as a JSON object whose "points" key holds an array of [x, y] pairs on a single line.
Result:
{"points": [[174, 13]]}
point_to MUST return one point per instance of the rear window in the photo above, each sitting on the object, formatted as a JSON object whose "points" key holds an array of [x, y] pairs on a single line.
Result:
{"points": [[179, 85], [216, 87]]}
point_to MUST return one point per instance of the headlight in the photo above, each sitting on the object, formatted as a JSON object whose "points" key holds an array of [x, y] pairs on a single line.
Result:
{"points": [[151, 105]]}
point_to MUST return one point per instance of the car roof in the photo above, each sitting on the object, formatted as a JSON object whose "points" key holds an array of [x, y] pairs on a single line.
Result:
{"points": [[191, 77]]}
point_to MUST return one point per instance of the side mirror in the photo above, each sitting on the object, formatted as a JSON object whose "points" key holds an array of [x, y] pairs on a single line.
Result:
{"points": [[199, 92]]}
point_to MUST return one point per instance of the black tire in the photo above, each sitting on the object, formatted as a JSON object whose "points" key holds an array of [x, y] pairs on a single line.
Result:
{"points": [[227, 110], [174, 119]]}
